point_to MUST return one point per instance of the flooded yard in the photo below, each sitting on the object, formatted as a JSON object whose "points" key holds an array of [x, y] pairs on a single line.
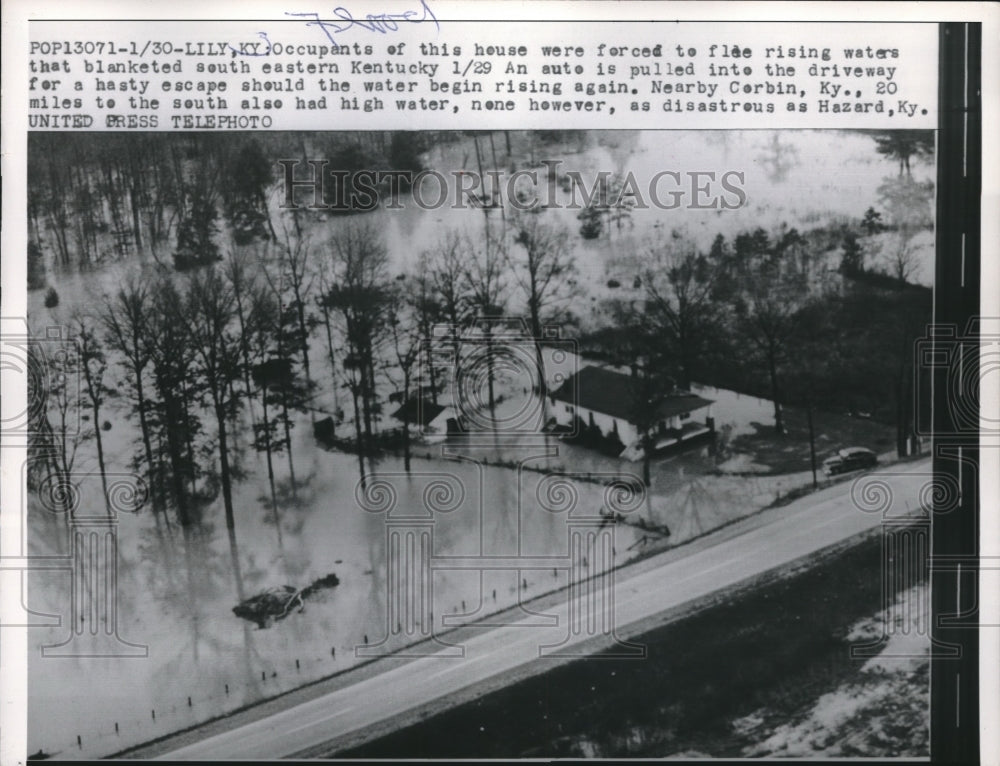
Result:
{"points": [[179, 655]]}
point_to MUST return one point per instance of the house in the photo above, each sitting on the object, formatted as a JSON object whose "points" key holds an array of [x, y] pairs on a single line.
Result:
{"points": [[602, 401], [427, 419]]}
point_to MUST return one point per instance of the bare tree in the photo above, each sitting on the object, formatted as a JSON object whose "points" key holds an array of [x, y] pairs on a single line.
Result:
{"points": [[293, 260], [243, 282], [444, 267], [62, 439], [169, 346], [209, 316], [261, 329], [407, 338], [93, 366], [778, 158], [327, 320], [124, 317], [428, 314], [771, 294], [359, 294], [902, 145], [546, 276], [286, 337], [483, 274], [907, 204], [678, 283]]}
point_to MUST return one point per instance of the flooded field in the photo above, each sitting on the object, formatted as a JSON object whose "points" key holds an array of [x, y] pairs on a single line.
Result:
{"points": [[179, 654]]}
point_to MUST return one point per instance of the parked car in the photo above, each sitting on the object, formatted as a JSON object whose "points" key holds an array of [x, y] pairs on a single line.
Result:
{"points": [[850, 459]]}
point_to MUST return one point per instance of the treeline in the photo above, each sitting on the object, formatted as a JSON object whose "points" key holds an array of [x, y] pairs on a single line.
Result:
{"points": [[211, 346], [219, 358], [99, 197], [764, 314]]}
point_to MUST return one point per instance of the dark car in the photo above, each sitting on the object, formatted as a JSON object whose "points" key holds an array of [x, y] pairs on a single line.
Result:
{"points": [[850, 459]]}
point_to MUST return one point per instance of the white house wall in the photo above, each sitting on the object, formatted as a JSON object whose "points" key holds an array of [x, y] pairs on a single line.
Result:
{"points": [[627, 433]]}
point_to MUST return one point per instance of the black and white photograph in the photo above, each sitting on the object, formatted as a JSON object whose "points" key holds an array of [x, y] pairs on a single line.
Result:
{"points": [[489, 428], [486, 443]]}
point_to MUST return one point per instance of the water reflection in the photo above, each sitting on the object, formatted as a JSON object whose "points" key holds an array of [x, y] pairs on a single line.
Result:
{"points": [[179, 585], [180, 589]]}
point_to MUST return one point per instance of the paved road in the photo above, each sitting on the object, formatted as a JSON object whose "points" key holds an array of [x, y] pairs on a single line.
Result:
{"points": [[804, 527]]}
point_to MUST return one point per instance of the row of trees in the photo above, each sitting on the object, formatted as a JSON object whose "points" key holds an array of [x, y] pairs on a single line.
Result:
{"points": [[761, 314], [226, 342], [181, 354], [219, 358], [132, 194]]}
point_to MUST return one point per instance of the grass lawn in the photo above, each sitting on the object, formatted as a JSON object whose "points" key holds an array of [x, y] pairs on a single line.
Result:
{"points": [[789, 452], [768, 654]]}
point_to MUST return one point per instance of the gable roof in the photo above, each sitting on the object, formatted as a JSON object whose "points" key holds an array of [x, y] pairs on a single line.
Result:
{"points": [[418, 411], [614, 393]]}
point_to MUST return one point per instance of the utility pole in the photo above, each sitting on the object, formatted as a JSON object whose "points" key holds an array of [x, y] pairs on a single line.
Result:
{"points": [[812, 444]]}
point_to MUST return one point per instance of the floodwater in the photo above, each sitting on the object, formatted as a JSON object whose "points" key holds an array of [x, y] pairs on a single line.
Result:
{"points": [[176, 588], [176, 591]]}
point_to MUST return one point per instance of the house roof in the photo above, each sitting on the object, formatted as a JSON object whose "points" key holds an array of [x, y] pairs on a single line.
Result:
{"points": [[615, 394], [418, 411]]}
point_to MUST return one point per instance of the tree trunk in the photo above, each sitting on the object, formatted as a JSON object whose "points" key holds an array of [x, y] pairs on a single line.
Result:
{"points": [[266, 426], [245, 353], [367, 392], [812, 445], [262, 201], [288, 441], [188, 438], [406, 423], [333, 361], [431, 367], [147, 446], [224, 470], [772, 365], [489, 371], [359, 436], [178, 472], [301, 315], [95, 408]]}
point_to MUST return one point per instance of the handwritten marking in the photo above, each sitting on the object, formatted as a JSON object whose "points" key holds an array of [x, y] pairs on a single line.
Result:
{"points": [[380, 23], [243, 49]]}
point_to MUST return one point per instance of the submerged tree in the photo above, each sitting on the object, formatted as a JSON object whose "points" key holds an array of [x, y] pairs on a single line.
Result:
{"points": [[196, 234], [93, 366], [908, 207], [852, 262], [771, 292], [546, 275], [294, 263], [903, 145], [485, 283], [250, 175], [679, 285], [210, 312], [125, 317], [360, 296], [266, 368], [407, 337], [592, 221], [173, 421], [60, 424], [428, 313], [444, 267]]}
